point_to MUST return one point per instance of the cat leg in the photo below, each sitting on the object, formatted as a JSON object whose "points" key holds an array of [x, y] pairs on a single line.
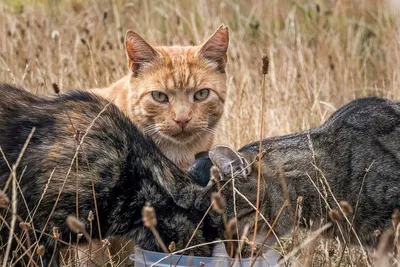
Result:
{"points": [[178, 229]]}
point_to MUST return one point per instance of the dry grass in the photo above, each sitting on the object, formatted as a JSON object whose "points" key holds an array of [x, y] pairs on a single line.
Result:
{"points": [[323, 53]]}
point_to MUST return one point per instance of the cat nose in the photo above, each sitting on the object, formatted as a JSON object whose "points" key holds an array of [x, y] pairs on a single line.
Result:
{"points": [[182, 122]]}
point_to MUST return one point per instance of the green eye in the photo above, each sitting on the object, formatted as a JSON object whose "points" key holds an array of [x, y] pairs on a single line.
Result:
{"points": [[201, 95], [159, 97]]}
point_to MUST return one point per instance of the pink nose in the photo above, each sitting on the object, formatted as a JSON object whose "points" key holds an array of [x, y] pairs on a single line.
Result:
{"points": [[182, 123]]}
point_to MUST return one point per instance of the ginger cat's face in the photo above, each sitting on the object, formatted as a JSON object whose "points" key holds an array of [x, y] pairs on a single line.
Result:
{"points": [[177, 93]]}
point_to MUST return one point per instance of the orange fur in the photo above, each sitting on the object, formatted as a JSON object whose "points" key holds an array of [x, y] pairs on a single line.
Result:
{"points": [[179, 72], [182, 126]]}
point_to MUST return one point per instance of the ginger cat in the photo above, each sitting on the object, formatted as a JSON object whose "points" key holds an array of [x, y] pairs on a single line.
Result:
{"points": [[174, 94]]}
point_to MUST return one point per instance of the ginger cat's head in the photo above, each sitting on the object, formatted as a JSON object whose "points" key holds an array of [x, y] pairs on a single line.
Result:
{"points": [[177, 93]]}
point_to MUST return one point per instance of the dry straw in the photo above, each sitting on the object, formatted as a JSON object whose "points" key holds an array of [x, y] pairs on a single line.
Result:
{"points": [[4, 200], [312, 71], [334, 215], [215, 174], [149, 216], [219, 203], [229, 234], [150, 221], [90, 216], [41, 250], [75, 225], [171, 247], [25, 226], [346, 207], [265, 66]]}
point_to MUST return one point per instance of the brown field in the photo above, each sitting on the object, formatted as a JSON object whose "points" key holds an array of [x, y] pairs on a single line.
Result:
{"points": [[323, 54]]}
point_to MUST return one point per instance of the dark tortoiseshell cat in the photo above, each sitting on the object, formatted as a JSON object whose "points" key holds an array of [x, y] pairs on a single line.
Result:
{"points": [[126, 169]]}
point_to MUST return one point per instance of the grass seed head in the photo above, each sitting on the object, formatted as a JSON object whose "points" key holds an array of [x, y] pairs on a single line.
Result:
{"points": [[219, 203], [230, 228], [90, 216], [171, 247], [56, 88], [215, 174], [4, 200], [317, 8], [346, 207], [149, 216], [299, 200], [334, 215], [265, 64], [41, 250], [75, 225], [25, 226], [56, 232]]}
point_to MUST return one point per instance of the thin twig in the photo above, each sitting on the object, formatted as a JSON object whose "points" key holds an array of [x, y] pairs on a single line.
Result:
{"points": [[19, 242], [261, 216], [69, 171], [14, 197], [191, 247], [304, 244], [259, 252], [260, 149], [207, 211]]}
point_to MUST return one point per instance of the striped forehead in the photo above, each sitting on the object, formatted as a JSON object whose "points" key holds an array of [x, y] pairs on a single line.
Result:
{"points": [[179, 78], [181, 69]]}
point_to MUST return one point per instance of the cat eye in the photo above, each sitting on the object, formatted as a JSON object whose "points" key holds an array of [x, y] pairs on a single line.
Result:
{"points": [[159, 97], [201, 94]]}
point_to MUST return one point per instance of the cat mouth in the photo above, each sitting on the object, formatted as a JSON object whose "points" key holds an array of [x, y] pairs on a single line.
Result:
{"points": [[174, 137], [182, 135]]}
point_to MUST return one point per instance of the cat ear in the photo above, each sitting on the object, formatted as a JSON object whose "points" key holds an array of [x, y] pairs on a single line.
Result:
{"points": [[229, 162], [216, 47], [138, 51]]}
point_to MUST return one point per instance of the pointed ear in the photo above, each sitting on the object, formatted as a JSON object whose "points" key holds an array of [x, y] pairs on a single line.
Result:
{"points": [[229, 162], [216, 47], [138, 51]]}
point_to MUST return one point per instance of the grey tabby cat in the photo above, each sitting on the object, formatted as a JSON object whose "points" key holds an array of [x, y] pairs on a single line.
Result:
{"points": [[354, 156]]}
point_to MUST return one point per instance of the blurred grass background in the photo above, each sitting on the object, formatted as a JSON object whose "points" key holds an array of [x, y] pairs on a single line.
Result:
{"points": [[323, 53]]}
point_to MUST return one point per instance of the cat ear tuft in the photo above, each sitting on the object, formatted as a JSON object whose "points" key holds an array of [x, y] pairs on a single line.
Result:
{"points": [[216, 47], [229, 162], [138, 51]]}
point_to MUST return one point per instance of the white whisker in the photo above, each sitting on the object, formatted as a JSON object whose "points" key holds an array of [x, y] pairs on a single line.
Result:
{"points": [[217, 132]]}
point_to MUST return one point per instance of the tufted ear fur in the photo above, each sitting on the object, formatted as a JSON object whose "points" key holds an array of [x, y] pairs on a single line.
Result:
{"points": [[138, 51], [229, 162], [216, 47]]}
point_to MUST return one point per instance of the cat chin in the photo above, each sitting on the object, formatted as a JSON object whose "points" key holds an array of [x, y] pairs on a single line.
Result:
{"points": [[177, 139], [180, 140]]}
